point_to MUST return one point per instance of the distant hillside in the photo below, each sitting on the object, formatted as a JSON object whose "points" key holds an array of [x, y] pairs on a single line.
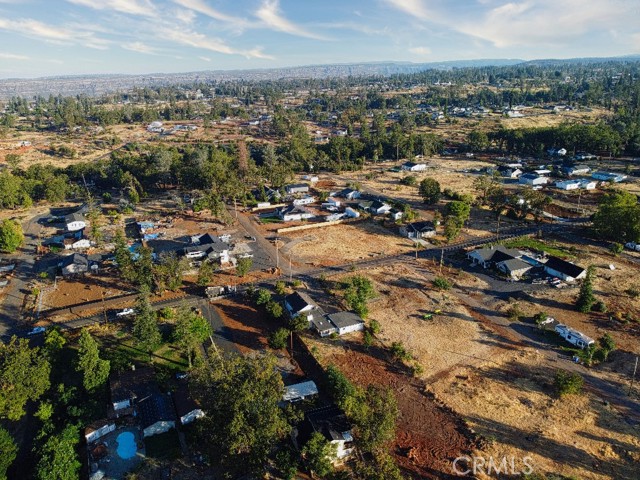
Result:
{"points": [[96, 85]]}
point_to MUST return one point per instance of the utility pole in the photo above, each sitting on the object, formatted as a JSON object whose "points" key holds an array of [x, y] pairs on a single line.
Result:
{"points": [[441, 259], [277, 254], [290, 272], [633, 377]]}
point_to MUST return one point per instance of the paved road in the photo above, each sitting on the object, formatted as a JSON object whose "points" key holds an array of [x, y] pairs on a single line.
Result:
{"points": [[11, 306]]}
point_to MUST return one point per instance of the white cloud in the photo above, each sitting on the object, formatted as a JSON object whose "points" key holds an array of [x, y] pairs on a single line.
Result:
{"points": [[201, 7], [185, 15], [132, 7], [198, 40], [12, 56], [205, 59], [54, 34], [139, 47], [415, 8], [420, 51], [269, 14]]}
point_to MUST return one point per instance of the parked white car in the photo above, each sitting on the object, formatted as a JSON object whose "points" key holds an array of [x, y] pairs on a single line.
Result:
{"points": [[126, 312], [36, 330]]}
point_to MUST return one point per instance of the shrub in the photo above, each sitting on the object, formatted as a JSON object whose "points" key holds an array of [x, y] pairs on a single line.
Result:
{"points": [[274, 309], [281, 287], [367, 339], [374, 325], [616, 248], [514, 312], [399, 351], [540, 317], [278, 339], [632, 292], [106, 196], [568, 383], [263, 296], [441, 283], [600, 306]]}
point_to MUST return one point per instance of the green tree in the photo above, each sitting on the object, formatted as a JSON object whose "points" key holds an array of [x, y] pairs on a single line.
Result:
{"points": [[477, 141], [123, 257], [58, 457], [168, 273], [568, 383], [274, 309], [8, 452], [54, 342], [452, 227], [281, 287], [243, 421], [95, 370], [243, 266], [374, 412], [145, 326], [11, 236], [205, 273], [190, 331], [618, 217], [263, 296], [318, 454], [278, 339], [340, 388], [459, 210], [586, 298], [24, 376], [359, 290], [430, 191], [607, 345]]}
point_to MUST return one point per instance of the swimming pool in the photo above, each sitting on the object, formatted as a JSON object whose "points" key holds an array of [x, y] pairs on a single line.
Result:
{"points": [[126, 445]]}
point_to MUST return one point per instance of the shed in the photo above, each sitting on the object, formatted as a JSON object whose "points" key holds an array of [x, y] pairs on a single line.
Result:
{"points": [[294, 188], [75, 221], [299, 391]]}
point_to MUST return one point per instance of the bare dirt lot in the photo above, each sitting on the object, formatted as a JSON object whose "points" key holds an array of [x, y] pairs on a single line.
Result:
{"points": [[344, 243], [510, 403]]}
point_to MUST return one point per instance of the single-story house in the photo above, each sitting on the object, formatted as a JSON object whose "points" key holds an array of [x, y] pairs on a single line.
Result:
{"points": [[379, 208], [74, 265], [320, 323], [351, 213], [332, 423], [346, 322], [542, 171], [306, 200], [532, 179], [298, 303], [568, 184], [509, 172], [156, 414], [293, 213], [365, 205], [514, 267], [187, 409], [396, 214], [564, 270], [349, 194], [576, 170], [75, 221], [417, 230], [608, 177], [294, 188], [333, 201], [299, 391], [588, 184], [488, 256], [207, 246], [414, 167], [98, 429], [76, 243], [129, 387]]}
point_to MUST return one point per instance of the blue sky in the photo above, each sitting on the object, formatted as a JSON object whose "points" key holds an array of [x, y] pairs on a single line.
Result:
{"points": [[59, 37]]}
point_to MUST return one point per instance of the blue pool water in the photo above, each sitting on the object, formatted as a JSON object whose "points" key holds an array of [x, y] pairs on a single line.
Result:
{"points": [[126, 445]]}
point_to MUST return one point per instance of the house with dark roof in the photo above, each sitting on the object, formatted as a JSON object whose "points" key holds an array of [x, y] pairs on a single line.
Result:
{"points": [[293, 213], [75, 221], [75, 264], [129, 387], [187, 409], [333, 424], [564, 270], [207, 246], [298, 303], [346, 322], [413, 167], [418, 230], [156, 414], [349, 194], [491, 256], [379, 208]]}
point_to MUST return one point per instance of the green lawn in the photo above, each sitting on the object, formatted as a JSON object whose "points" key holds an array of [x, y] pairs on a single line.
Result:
{"points": [[122, 352], [534, 244], [165, 446]]}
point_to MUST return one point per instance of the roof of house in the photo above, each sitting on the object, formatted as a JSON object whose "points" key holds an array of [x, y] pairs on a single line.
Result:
{"points": [[75, 259], [344, 319], [422, 226], [377, 204], [206, 238], [321, 323], [300, 390], [183, 402], [132, 384], [530, 176], [298, 300], [515, 264], [291, 209], [563, 266], [156, 408], [296, 185], [331, 422], [346, 192], [579, 167], [365, 204], [496, 254], [74, 217]]}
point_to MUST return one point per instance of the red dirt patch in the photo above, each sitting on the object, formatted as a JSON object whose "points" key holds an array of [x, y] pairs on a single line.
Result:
{"points": [[249, 326], [429, 435]]}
